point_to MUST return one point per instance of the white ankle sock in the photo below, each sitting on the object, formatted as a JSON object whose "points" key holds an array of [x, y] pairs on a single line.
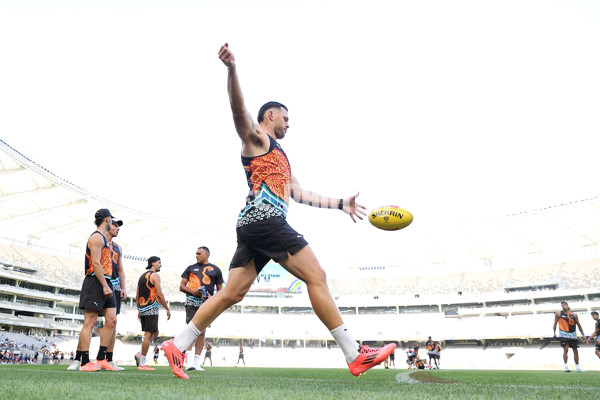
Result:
{"points": [[186, 337], [197, 359], [348, 345], [142, 361]]}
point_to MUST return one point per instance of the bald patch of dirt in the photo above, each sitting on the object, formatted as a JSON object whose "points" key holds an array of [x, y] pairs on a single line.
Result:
{"points": [[428, 377]]}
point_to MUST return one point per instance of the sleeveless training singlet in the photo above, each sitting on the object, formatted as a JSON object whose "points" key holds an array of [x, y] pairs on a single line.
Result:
{"points": [[567, 326], [269, 177], [105, 259], [147, 303]]}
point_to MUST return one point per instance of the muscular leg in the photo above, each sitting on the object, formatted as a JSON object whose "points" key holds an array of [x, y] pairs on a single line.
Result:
{"points": [[110, 323], [598, 353], [85, 336], [305, 266], [576, 356], [200, 343], [565, 353], [148, 337]]}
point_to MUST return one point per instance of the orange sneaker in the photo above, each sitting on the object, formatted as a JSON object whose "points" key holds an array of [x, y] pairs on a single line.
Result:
{"points": [[146, 368], [370, 357], [90, 367], [176, 359], [105, 365]]}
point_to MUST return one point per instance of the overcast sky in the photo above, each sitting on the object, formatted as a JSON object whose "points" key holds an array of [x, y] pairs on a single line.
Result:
{"points": [[457, 111]]}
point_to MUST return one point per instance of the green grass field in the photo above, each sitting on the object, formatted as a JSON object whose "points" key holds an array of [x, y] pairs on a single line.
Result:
{"points": [[55, 382]]}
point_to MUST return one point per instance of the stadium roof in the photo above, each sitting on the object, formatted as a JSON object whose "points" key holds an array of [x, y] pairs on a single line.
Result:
{"points": [[38, 208]]}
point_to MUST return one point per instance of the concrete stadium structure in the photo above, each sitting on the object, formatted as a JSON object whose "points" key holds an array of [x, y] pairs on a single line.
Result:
{"points": [[497, 300]]}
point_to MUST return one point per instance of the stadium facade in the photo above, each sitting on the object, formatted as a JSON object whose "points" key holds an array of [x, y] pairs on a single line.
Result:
{"points": [[502, 299]]}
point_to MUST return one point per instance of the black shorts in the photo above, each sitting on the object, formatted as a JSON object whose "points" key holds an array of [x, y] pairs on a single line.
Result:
{"points": [[241, 356], [149, 323], [92, 296], [572, 343], [270, 239], [392, 357], [190, 311], [597, 345], [208, 354]]}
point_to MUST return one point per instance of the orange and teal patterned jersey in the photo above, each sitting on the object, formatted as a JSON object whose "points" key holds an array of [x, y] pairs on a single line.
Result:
{"points": [[567, 325], [105, 259], [147, 302], [269, 177]]}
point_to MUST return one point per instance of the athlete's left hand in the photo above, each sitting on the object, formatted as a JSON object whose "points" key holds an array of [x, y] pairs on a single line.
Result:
{"points": [[354, 209], [123, 295]]}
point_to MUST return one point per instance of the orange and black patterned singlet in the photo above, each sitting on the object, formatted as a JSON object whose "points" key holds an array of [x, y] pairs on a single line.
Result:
{"points": [[147, 302], [567, 325], [269, 177], [105, 259]]}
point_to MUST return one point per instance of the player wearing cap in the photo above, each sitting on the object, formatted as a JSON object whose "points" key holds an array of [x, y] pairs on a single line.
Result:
{"points": [[263, 233], [149, 295], [118, 283], [198, 282], [96, 296]]}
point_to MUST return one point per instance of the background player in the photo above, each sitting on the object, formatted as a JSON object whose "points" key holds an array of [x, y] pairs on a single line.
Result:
{"points": [[567, 322], [149, 294], [198, 282]]}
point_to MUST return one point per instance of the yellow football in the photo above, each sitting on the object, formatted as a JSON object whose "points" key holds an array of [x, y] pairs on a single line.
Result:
{"points": [[390, 218]]}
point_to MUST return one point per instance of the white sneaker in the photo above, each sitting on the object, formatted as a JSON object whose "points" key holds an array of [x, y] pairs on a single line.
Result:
{"points": [[567, 369], [75, 366], [113, 364], [578, 370]]}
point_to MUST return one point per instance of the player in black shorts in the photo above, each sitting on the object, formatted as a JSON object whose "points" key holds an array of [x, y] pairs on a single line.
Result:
{"points": [[199, 282], [148, 297], [207, 353], [241, 356], [263, 233], [596, 333], [568, 322], [97, 295]]}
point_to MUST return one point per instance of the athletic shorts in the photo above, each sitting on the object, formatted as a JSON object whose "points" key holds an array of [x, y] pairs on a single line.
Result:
{"points": [[149, 323], [269, 239], [392, 356], [92, 296], [208, 354], [597, 345], [572, 343], [241, 356], [190, 311]]}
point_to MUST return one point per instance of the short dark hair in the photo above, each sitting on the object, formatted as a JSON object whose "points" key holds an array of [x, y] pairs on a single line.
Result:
{"points": [[205, 249], [268, 106], [594, 312]]}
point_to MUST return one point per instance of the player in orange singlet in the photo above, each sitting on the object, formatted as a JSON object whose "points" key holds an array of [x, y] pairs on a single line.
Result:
{"points": [[567, 322], [148, 296], [97, 295], [264, 234]]}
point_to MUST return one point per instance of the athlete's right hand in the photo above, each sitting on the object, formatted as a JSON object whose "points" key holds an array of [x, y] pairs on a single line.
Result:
{"points": [[107, 291], [226, 56]]}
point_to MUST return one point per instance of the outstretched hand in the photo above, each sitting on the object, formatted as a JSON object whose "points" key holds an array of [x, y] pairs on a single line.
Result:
{"points": [[353, 208], [226, 56]]}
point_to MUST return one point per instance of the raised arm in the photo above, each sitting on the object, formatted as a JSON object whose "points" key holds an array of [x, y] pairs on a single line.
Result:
{"points": [[246, 129], [348, 205]]}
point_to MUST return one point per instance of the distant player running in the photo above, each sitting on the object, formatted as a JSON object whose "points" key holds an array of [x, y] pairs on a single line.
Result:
{"points": [[567, 322], [264, 234]]}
